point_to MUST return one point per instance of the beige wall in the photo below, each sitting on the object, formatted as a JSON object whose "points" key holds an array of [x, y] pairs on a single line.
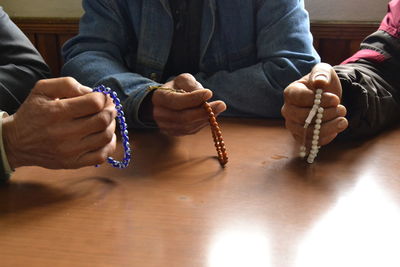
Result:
{"points": [[320, 10], [42, 8], [346, 10]]}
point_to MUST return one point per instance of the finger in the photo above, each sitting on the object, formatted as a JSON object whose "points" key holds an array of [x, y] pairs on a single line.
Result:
{"points": [[184, 117], [97, 140], [90, 143], [90, 124], [98, 156], [85, 105], [217, 107], [61, 88], [299, 115], [87, 143], [180, 101], [328, 129], [323, 76], [187, 82], [299, 95]]}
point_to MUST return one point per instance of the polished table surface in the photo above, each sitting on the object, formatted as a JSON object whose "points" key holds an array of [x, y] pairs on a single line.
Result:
{"points": [[175, 206]]}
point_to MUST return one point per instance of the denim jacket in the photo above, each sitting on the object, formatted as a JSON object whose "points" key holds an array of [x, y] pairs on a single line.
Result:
{"points": [[250, 50]]}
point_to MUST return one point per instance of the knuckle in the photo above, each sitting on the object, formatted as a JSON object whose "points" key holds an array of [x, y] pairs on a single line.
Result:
{"points": [[103, 120], [97, 102], [284, 111], [157, 114], [100, 157], [69, 82], [108, 136], [184, 76], [286, 92], [40, 84]]}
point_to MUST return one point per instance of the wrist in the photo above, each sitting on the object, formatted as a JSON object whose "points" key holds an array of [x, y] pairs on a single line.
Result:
{"points": [[146, 108], [10, 142]]}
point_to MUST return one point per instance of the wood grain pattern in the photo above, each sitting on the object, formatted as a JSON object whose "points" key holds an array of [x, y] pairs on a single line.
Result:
{"points": [[175, 206], [334, 41]]}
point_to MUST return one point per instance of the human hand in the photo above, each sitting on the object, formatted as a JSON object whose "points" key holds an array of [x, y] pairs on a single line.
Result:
{"points": [[61, 125], [183, 113], [299, 99]]}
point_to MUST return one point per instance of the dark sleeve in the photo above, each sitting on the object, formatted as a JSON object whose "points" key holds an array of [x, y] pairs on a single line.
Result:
{"points": [[21, 66], [371, 79], [371, 96]]}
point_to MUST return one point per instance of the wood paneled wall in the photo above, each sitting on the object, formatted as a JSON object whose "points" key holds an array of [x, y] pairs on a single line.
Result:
{"points": [[49, 35], [333, 41]]}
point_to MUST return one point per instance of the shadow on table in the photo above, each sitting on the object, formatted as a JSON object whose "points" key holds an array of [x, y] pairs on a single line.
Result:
{"points": [[22, 196]]}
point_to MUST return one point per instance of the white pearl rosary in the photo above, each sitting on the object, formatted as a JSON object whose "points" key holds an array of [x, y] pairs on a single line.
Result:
{"points": [[315, 111]]}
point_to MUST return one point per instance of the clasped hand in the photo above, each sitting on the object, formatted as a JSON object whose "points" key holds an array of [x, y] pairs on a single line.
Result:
{"points": [[61, 125], [183, 113], [299, 99]]}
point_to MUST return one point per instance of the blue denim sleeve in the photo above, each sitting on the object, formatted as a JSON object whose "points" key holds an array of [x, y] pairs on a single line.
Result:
{"points": [[97, 56], [285, 53]]}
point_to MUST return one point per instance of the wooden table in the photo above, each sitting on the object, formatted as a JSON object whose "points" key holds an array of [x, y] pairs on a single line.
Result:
{"points": [[175, 206]]}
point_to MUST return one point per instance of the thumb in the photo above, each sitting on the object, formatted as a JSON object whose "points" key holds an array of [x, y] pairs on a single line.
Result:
{"points": [[324, 77], [61, 88]]}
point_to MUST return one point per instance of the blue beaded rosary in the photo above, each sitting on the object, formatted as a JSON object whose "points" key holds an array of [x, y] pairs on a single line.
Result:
{"points": [[123, 127]]}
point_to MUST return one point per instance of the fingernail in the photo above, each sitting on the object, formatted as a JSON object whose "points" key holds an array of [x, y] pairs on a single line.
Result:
{"points": [[220, 107], [207, 94], [342, 124], [321, 77]]}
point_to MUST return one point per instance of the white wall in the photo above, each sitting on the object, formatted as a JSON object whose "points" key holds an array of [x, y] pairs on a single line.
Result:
{"points": [[320, 10]]}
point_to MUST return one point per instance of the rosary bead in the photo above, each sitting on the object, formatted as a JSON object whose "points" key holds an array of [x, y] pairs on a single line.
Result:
{"points": [[316, 111], [122, 126], [213, 121], [314, 147]]}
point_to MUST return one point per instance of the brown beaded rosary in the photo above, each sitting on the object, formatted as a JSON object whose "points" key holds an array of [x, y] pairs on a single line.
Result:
{"points": [[215, 129]]}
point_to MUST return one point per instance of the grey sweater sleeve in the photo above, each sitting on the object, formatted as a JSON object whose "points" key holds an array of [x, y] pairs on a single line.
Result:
{"points": [[21, 65]]}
